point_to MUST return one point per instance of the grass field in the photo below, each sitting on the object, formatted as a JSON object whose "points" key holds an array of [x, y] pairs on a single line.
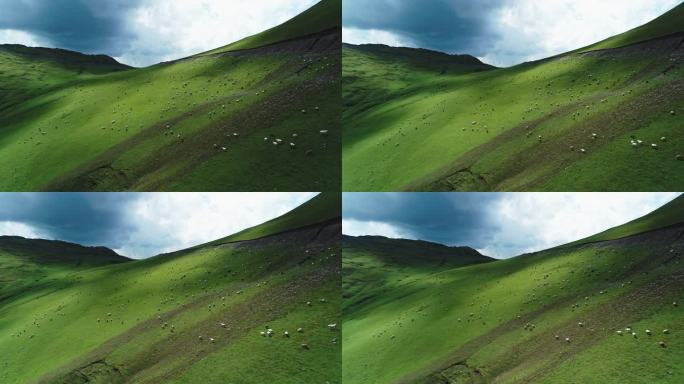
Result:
{"points": [[560, 124], [265, 117], [113, 320], [507, 321]]}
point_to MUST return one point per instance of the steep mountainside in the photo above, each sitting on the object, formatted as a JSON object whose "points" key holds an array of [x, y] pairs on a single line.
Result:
{"points": [[265, 117], [606, 117], [191, 316], [601, 312]]}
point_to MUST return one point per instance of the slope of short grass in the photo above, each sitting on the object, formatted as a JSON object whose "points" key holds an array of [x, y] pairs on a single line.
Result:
{"points": [[529, 127], [667, 24], [152, 320], [498, 322], [325, 15], [201, 124], [323, 207]]}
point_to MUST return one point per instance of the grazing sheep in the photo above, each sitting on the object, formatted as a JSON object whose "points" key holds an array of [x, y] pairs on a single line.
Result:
{"points": [[201, 338], [663, 139], [222, 324], [594, 136], [648, 332], [634, 335], [666, 331], [583, 150], [654, 146], [324, 131], [557, 337], [286, 334], [580, 324], [300, 330], [292, 145], [212, 339], [662, 344], [619, 333], [674, 303], [262, 333], [567, 339], [332, 326], [308, 303], [305, 346], [679, 157]]}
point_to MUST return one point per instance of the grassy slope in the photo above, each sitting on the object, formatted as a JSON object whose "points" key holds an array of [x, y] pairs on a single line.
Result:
{"points": [[667, 24], [461, 324], [163, 127], [325, 15], [322, 208], [408, 128], [670, 214], [141, 321]]}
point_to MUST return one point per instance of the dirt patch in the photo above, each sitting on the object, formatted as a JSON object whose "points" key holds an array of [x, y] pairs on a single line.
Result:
{"points": [[98, 372]]}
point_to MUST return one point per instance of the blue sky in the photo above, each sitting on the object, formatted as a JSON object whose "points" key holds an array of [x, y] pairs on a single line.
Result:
{"points": [[139, 225], [501, 225], [140, 32], [500, 32]]}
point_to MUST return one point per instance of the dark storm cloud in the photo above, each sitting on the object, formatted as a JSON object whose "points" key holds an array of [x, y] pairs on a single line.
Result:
{"points": [[447, 218], [83, 218], [455, 26], [89, 26]]}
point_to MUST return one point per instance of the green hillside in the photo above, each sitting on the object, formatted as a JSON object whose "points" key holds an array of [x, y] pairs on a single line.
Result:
{"points": [[322, 208], [259, 119], [322, 17], [192, 316], [507, 321], [668, 24], [562, 124]]}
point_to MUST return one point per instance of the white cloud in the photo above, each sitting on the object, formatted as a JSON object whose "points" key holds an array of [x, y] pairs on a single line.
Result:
{"points": [[12, 36], [13, 228], [167, 30], [374, 36], [374, 228], [531, 29], [527, 222], [165, 222]]}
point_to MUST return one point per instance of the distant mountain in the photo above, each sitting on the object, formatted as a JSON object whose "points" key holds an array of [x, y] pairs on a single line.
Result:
{"points": [[422, 58], [402, 252], [59, 252], [68, 59]]}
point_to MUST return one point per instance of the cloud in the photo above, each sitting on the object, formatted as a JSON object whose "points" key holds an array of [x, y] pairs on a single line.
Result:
{"points": [[377, 228], [498, 224], [501, 32], [140, 32], [139, 224]]}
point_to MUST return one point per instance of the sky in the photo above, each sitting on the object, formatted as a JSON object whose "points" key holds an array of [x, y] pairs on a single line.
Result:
{"points": [[139, 225], [140, 32], [500, 225], [499, 32]]}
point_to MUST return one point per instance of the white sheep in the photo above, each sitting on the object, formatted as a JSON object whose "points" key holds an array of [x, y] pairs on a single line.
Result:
{"points": [[286, 334], [332, 326], [300, 330], [648, 332]]}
